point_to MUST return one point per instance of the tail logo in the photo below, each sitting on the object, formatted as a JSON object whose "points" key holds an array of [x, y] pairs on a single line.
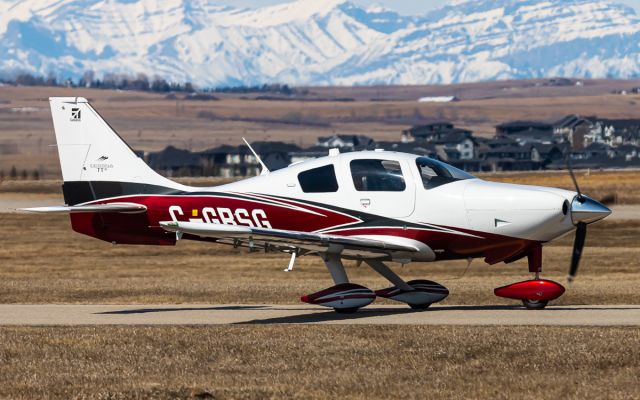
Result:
{"points": [[75, 114], [100, 165]]}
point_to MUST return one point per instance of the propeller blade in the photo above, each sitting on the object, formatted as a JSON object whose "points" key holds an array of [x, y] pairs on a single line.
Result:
{"points": [[573, 176], [570, 168], [578, 245]]}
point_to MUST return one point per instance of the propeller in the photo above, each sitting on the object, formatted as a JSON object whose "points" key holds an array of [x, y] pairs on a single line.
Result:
{"points": [[578, 245], [581, 228], [584, 211]]}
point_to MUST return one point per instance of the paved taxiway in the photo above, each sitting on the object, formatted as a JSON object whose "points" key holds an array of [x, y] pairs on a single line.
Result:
{"points": [[202, 314]]}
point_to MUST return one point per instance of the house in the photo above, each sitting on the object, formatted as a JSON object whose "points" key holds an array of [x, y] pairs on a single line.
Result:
{"points": [[546, 153], [595, 150], [438, 99], [309, 153], [501, 142], [455, 142], [275, 155], [458, 144], [628, 151], [175, 162], [526, 131], [229, 161], [508, 152], [421, 149], [344, 141], [617, 132], [426, 132], [576, 129]]}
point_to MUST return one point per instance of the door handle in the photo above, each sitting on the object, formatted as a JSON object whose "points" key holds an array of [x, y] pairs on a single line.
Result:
{"points": [[365, 202]]}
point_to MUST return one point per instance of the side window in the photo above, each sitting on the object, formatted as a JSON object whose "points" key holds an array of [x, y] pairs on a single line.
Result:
{"points": [[377, 176], [319, 180]]}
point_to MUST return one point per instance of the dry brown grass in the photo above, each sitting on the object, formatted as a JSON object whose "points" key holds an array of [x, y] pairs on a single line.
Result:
{"points": [[44, 261], [624, 185], [319, 362]]}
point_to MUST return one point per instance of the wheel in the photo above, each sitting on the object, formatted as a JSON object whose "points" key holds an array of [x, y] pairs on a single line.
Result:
{"points": [[420, 306], [535, 304], [348, 310]]}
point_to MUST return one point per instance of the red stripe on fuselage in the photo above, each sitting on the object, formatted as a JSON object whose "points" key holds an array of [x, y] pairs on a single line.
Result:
{"points": [[447, 242]]}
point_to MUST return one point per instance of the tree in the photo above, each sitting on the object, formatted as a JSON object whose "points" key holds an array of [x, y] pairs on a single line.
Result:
{"points": [[51, 80], [13, 174], [87, 78], [160, 85]]}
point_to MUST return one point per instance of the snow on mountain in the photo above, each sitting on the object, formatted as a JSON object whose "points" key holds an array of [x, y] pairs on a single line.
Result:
{"points": [[319, 41]]}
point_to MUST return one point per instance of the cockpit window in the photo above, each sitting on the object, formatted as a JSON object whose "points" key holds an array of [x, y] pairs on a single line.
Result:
{"points": [[435, 173], [377, 176]]}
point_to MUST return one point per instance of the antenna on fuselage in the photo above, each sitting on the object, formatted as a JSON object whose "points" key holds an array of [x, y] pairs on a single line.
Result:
{"points": [[265, 170]]}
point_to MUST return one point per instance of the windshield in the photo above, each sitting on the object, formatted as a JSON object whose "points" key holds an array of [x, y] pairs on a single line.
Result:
{"points": [[436, 173]]}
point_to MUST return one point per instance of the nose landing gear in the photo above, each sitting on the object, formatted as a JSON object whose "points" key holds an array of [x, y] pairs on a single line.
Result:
{"points": [[535, 293]]}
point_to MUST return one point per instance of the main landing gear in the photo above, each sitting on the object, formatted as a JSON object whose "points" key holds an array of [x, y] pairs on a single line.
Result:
{"points": [[347, 297], [535, 293]]}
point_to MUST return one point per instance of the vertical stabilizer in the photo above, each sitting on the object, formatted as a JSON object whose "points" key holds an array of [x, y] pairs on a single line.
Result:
{"points": [[96, 162]]}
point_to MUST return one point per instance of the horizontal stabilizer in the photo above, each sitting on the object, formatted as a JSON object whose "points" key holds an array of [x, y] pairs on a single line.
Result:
{"points": [[90, 208]]}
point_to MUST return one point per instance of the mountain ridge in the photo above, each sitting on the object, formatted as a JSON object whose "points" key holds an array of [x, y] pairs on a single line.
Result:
{"points": [[309, 42]]}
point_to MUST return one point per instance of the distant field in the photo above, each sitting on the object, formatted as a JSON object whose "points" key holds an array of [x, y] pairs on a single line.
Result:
{"points": [[150, 122]]}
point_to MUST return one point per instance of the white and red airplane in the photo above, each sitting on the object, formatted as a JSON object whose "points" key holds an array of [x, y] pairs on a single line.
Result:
{"points": [[370, 206]]}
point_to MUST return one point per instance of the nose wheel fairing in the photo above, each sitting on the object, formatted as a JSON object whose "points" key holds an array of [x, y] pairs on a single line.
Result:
{"points": [[534, 290]]}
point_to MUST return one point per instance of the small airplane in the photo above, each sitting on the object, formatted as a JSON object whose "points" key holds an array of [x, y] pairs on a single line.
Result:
{"points": [[374, 207]]}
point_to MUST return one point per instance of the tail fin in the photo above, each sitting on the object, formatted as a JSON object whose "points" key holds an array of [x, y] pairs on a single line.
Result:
{"points": [[96, 162]]}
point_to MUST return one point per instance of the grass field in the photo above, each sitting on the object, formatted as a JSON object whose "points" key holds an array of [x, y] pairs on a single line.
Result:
{"points": [[47, 262], [319, 362]]}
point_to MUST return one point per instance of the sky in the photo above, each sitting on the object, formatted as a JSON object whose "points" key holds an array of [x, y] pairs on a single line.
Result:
{"points": [[409, 7]]}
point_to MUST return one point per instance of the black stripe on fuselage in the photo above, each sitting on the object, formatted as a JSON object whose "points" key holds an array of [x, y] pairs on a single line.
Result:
{"points": [[77, 192]]}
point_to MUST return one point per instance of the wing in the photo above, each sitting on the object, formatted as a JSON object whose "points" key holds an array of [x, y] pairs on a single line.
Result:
{"points": [[93, 208], [288, 241]]}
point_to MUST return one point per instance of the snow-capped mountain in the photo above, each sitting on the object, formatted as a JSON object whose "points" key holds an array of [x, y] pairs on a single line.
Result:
{"points": [[319, 41]]}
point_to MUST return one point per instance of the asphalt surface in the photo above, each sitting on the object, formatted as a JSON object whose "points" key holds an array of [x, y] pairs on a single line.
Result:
{"points": [[202, 314]]}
